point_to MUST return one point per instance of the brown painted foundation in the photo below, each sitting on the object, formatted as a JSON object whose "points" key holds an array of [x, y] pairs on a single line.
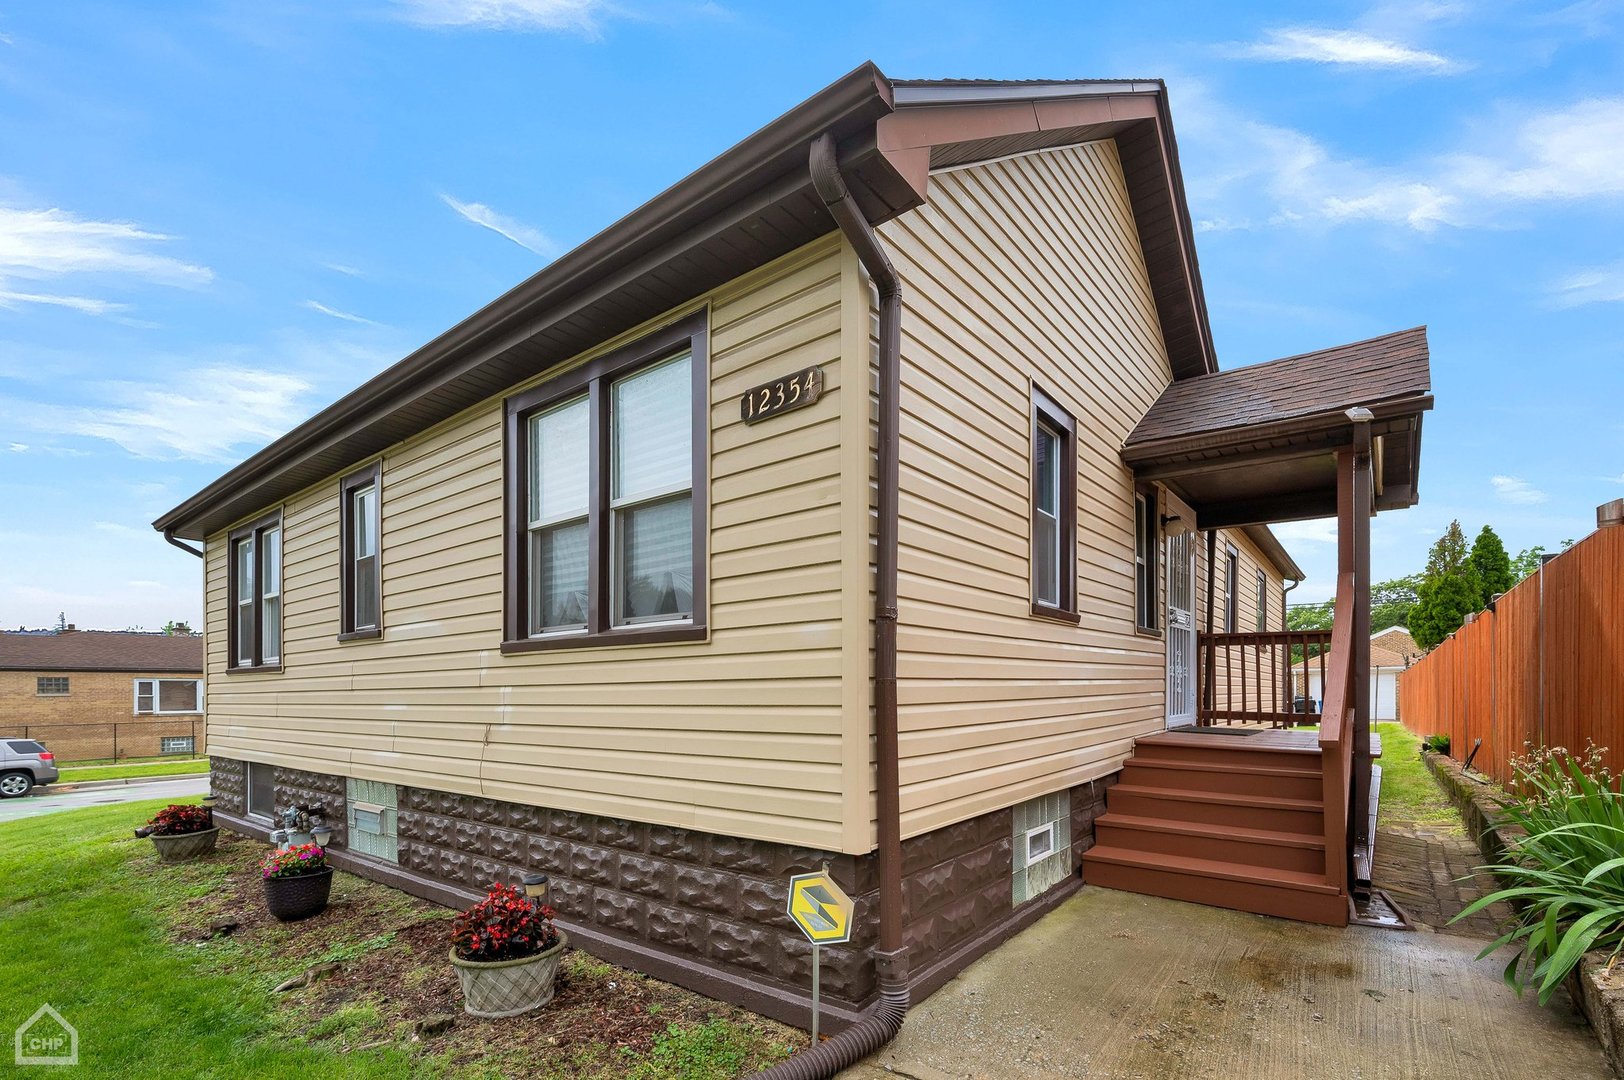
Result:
{"points": [[698, 909]]}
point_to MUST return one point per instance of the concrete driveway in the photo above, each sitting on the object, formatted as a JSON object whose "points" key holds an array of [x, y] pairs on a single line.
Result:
{"points": [[1115, 985]]}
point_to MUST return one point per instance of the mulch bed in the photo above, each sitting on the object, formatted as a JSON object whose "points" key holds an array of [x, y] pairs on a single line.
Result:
{"points": [[391, 952]]}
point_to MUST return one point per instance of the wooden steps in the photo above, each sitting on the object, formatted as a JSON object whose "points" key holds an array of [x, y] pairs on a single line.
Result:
{"points": [[1226, 820]]}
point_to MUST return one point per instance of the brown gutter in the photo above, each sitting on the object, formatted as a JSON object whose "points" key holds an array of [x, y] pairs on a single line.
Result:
{"points": [[890, 958], [169, 536]]}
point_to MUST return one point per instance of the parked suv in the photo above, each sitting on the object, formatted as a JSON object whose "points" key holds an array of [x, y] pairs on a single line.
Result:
{"points": [[24, 763]]}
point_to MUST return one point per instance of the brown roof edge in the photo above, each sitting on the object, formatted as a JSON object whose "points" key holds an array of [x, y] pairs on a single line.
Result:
{"points": [[862, 95], [1270, 545]]}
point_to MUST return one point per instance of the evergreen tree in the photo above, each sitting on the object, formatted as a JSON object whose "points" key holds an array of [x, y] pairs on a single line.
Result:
{"points": [[1492, 566], [1449, 590]]}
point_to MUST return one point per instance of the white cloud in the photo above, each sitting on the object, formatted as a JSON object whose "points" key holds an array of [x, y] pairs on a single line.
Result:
{"points": [[580, 16], [517, 231], [1244, 173], [1595, 285], [86, 304], [40, 244], [1514, 489], [1352, 48], [18, 448], [314, 305], [201, 414], [341, 268]]}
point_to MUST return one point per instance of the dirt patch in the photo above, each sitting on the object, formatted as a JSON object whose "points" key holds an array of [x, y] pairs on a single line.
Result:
{"points": [[390, 983]]}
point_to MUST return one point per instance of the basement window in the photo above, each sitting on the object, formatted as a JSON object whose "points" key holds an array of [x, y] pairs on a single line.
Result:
{"points": [[372, 818], [51, 686], [177, 744], [1042, 845]]}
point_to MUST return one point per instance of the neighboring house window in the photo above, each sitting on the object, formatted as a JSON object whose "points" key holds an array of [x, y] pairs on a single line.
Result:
{"points": [[1262, 602], [1054, 510], [162, 697], [51, 685], [261, 790], [255, 595], [1144, 560], [1232, 570], [606, 498], [360, 571], [177, 744]]}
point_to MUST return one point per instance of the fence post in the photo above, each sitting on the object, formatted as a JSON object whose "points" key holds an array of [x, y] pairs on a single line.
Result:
{"points": [[115, 743]]}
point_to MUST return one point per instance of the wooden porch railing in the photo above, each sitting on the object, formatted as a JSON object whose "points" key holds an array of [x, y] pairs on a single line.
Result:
{"points": [[1337, 744], [1250, 676]]}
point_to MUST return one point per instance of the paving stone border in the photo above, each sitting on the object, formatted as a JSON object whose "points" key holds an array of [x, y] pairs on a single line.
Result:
{"points": [[1599, 993]]}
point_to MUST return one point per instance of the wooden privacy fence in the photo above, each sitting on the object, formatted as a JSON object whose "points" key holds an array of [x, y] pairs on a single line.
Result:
{"points": [[1544, 667]]}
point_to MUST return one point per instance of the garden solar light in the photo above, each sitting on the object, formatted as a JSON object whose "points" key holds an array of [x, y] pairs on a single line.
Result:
{"points": [[535, 887], [209, 801], [322, 834]]}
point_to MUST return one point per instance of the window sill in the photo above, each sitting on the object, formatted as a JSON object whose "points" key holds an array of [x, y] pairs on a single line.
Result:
{"points": [[609, 639], [361, 635], [1148, 631], [1044, 611], [257, 669]]}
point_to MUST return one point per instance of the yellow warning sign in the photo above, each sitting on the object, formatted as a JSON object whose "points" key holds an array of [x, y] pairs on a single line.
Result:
{"points": [[820, 908]]}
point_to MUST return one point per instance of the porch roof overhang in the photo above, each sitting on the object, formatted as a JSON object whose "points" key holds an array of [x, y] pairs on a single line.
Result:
{"points": [[1258, 444]]}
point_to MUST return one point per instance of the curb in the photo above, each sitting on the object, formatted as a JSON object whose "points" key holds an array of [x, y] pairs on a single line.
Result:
{"points": [[93, 785]]}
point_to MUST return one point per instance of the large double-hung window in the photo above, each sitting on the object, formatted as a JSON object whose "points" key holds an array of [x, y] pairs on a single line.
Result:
{"points": [[606, 508], [255, 595]]}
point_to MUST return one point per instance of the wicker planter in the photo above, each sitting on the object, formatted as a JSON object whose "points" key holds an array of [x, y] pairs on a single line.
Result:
{"points": [[500, 988], [300, 896], [183, 846]]}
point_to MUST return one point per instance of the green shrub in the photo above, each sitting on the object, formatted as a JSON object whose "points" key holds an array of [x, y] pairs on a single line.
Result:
{"points": [[1566, 876], [1437, 744]]}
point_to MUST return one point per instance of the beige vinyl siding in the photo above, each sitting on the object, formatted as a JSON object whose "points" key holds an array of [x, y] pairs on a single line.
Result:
{"points": [[751, 733], [1019, 273]]}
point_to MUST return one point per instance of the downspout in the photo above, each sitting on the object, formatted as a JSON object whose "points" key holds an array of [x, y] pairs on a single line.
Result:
{"points": [[1290, 679], [880, 1024], [169, 536]]}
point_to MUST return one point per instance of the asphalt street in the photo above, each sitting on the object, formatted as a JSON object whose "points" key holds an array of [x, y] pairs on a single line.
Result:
{"points": [[48, 800]]}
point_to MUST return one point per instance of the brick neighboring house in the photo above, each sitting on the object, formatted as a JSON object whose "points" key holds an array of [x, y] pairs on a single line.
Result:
{"points": [[92, 694]]}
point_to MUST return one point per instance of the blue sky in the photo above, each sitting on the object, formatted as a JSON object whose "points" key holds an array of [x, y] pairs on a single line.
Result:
{"points": [[217, 217]]}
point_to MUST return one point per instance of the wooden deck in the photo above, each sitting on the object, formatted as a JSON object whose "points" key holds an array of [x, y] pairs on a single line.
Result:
{"points": [[1251, 737]]}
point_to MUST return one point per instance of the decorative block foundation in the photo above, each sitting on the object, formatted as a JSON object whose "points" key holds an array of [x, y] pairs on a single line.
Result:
{"points": [[699, 909]]}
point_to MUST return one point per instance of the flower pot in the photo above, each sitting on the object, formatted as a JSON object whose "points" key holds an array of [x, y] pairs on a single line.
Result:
{"points": [[497, 988], [299, 896], [183, 846]]}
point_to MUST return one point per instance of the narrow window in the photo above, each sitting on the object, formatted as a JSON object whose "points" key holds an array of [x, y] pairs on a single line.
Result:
{"points": [[1262, 602], [360, 571], [1054, 510], [177, 744], [1144, 559], [1232, 564], [255, 595], [261, 790], [51, 685], [165, 697], [606, 504]]}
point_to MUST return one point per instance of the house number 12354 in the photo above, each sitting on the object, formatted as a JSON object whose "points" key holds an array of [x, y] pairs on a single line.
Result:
{"points": [[781, 395]]}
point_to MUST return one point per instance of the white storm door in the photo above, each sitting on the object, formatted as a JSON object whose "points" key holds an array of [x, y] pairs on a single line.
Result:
{"points": [[1181, 658]]}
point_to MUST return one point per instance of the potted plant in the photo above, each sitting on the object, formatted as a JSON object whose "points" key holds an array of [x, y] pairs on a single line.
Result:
{"points": [[505, 950], [297, 881], [182, 831]]}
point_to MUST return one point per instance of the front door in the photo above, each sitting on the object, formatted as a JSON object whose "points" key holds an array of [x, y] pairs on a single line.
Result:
{"points": [[1181, 630]]}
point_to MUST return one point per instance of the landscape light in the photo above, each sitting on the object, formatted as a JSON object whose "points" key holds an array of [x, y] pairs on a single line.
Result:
{"points": [[535, 887]]}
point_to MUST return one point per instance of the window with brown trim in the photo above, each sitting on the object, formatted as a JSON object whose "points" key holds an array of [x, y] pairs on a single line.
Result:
{"points": [[1232, 584], [1262, 602], [606, 499], [1054, 510], [1145, 530], [360, 571], [254, 596]]}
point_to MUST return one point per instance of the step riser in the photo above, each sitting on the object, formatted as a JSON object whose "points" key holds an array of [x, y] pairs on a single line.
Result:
{"points": [[1275, 856], [1240, 896], [1275, 759], [1307, 822], [1168, 775]]}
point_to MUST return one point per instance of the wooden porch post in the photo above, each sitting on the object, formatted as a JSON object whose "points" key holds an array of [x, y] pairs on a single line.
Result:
{"points": [[1363, 500]]}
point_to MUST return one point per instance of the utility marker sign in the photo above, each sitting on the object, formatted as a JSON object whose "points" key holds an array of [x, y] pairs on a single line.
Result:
{"points": [[820, 908]]}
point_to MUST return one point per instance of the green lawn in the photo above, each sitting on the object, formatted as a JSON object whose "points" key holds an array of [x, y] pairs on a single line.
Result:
{"points": [[73, 774], [1409, 792], [119, 944], [82, 919]]}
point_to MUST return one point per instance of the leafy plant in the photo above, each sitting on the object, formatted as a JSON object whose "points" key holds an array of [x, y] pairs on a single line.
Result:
{"points": [[505, 925], [1566, 875], [1437, 744], [295, 861], [177, 819]]}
